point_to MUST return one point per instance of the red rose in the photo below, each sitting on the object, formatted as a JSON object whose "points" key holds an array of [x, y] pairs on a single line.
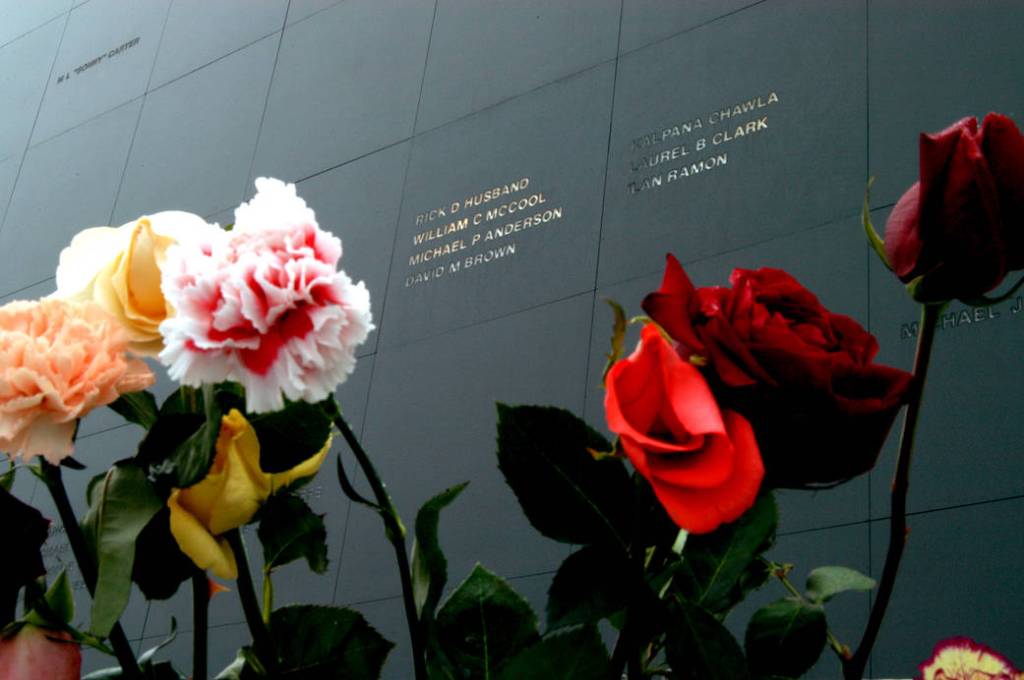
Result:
{"points": [[35, 652], [801, 375], [961, 227], [702, 463]]}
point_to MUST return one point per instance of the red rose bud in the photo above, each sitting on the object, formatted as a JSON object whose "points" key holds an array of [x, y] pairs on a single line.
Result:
{"points": [[961, 227], [35, 652], [801, 375], [702, 463]]}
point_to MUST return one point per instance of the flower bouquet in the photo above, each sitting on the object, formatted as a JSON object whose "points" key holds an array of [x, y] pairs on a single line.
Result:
{"points": [[730, 393]]}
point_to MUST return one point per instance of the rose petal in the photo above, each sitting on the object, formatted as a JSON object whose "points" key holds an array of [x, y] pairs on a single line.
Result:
{"points": [[704, 510], [205, 550]]}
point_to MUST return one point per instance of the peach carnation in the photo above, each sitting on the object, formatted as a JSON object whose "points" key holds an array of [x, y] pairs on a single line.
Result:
{"points": [[58, 361], [264, 305]]}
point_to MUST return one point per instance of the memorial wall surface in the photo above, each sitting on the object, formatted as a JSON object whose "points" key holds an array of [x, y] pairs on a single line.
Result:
{"points": [[494, 169]]}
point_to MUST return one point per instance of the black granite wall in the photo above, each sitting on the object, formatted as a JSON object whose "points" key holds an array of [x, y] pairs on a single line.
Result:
{"points": [[397, 119]]}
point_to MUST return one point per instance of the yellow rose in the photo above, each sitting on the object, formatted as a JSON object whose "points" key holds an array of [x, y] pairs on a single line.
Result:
{"points": [[228, 496], [120, 270]]}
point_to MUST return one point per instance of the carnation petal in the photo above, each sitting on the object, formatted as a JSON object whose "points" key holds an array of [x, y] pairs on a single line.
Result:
{"points": [[961, 658], [265, 306], [51, 440], [58, 361]]}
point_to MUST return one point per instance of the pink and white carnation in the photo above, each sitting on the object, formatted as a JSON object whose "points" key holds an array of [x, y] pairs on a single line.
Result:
{"points": [[264, 305]]}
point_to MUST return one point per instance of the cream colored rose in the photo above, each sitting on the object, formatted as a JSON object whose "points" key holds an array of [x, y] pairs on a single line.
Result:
{"points": [[119, 269]]}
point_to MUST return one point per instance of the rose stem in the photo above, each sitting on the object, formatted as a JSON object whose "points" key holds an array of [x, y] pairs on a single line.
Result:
{"points": [[118, 640], [200, 622], [260, 635], [268, 596], [853, 668], [396, 534], [622, 652]]}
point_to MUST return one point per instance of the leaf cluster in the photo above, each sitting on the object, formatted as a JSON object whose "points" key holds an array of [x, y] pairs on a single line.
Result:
{"points": [[627, 568], [127, 523]]}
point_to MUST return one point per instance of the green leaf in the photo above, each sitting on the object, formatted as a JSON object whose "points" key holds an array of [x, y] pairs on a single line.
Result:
{"points": [[566, 494], [160, 567], [429, 566], [876, 242], [150, 671], [229, 395], [290, 436], [246, 666], [168, 433], [618, 335], [25, 531], [123, 504], [483, 623], [185, 399], [591, 584], [785, 637], [7, 478], [136, 407], [57, 606], [289, 530], [824, 583], [148, 655], [71, 464], [60, 598], [698, 647], [717, 567], [162, 670], [577, 653], [190, 461], [320, 643], [234, 670]]}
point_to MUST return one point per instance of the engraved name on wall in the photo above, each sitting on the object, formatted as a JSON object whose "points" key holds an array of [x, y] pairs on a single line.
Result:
{"points": [[697, 145], [478, 230]]}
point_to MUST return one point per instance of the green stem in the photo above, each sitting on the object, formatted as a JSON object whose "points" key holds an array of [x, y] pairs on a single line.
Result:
{"points": [[262, 643], [853, 668], [268, 596], [628, 652], [83, 556], [200, 623], [396, 535]]}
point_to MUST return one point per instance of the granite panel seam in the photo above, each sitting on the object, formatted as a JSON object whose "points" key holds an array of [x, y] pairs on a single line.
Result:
{"points": [[405, 184], [604, 201], [138, 118], [691, 28], [35, 119], [266, 101], [36, 27]]}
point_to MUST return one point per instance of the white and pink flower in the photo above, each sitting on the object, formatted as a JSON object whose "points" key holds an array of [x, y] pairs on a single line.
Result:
{"points": [[264, 305]]}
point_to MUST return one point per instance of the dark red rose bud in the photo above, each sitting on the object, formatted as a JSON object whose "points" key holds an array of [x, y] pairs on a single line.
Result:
{"points": [[958, 229], [803, 376], [1003, 146]]}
